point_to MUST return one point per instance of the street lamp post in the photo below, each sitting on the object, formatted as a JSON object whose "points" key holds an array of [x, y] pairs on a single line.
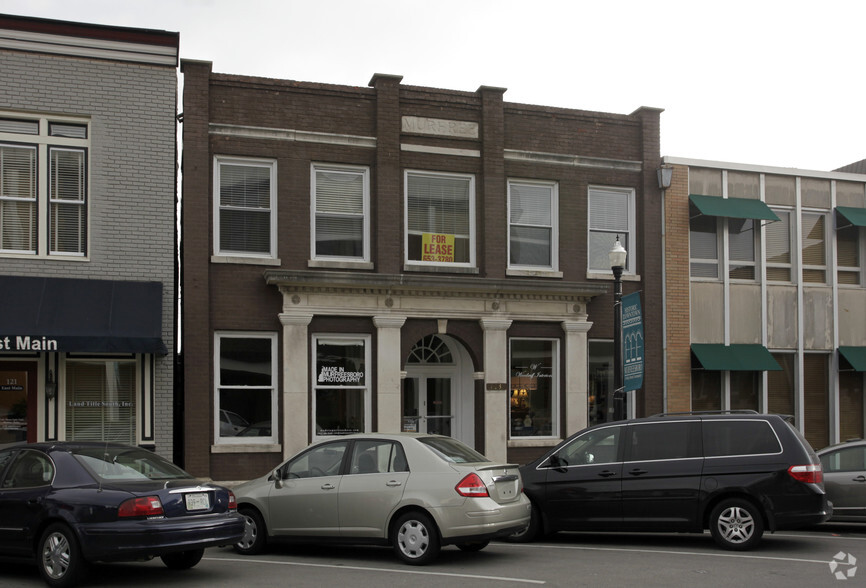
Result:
{"points": [[617, 258]]}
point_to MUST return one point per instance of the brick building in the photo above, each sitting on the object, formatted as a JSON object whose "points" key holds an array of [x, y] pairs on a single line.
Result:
{"points": [[765, 293], [392, 257], [87, 232]]}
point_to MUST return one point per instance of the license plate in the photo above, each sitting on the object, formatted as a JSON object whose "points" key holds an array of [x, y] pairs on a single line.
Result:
{"points": [[197, 501]]}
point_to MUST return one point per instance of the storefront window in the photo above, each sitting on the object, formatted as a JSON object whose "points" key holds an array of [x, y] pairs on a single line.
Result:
{"points": [[534, 390], [600, 380], [706, 390], [100, 401], [246, 388], [342, 399]]}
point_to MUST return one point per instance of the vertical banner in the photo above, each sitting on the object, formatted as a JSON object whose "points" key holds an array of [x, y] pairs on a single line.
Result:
{"points": [[632, 342]]}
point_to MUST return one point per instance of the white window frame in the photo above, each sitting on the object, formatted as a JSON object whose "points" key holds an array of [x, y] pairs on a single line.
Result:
{"points": [[472, 230], [367, 387], [555, 392], [271, 165], [274, 388], [364, 172], [553, 188], [629, 244], [43, 142]]}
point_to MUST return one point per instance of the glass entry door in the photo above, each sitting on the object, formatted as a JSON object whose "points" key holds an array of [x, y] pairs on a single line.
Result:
{"points": [[427, 405]]}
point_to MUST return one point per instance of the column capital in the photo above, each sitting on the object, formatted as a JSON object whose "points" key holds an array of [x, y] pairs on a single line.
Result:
{"points": [[576, 326], [288, 319], [495, 324], [389, 321]]}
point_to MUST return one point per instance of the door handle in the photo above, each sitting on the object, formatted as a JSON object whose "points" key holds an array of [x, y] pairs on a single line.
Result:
{"points": [[859, 479], [328, 486], [393, 483], [606, 474], [637, 472]]}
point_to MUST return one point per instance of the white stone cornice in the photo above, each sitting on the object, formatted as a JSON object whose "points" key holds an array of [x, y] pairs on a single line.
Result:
{"points": [[291, 135]]}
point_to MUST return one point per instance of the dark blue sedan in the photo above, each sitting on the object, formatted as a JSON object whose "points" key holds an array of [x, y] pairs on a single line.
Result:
{"points": [[69, 504]]}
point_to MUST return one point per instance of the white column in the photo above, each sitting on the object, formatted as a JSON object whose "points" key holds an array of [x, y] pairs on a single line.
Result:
{"points": [[576, 371], [495, 388], [296, 382], [388, 366]]}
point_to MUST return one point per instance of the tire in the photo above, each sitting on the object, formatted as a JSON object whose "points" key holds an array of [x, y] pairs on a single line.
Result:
{"points": [[255, 534], [182, 560], [736, 524], [532, 530], [59, 557], [473, 546], [415, 539]]}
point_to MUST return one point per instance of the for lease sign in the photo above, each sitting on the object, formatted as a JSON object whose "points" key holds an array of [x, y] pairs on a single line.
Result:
{"points": [[437, 247]]}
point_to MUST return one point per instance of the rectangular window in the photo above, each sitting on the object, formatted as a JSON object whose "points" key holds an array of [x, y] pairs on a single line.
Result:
{"points": [[781, 386], [848, 253], [245, 207], [706, 390], [246, 382], [816, 398], [745, 388], [534, 390], [814, 248], [851, 400], [778, 237], [341, 399], [440, 218], [703, 244], [739, 437], [100, 401], [742, 237], [43, 187], [532, 225], [611, 215], [340, 197]]}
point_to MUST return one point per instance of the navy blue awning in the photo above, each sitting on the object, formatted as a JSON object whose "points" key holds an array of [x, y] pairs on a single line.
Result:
{"points": [[66, 314]]}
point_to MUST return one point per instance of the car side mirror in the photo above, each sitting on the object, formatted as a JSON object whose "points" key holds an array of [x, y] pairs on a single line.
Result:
{"points": [[557, 462]]}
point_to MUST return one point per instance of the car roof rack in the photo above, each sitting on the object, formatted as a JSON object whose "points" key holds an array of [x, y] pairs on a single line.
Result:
{"points": [[695, 412]]}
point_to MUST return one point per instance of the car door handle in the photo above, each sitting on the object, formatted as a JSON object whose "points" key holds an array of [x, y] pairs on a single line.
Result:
{"points": [[637, 472], [606, 474], [859, 479], [328, 486], [393, 483]]}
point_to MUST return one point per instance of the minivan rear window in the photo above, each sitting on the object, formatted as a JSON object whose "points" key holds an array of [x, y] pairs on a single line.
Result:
{"points": [[739, 437]]}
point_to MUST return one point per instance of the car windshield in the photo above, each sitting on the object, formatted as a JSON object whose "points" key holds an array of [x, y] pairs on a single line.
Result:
{"points": [[452, 450], [111, 463]]}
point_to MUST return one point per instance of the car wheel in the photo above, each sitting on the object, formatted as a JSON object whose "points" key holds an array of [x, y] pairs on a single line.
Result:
{"points": [[182, 560], [532, 530], [736, 524], [416, 539], [255, 534], [60, 560], [473, 546]]}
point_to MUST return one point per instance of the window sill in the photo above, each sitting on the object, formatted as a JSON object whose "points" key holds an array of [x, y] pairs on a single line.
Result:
{"points": [[535, 442], [440, 269], [609, 276], [245, 260], [540, 273], [246, 448], [341, 264]]}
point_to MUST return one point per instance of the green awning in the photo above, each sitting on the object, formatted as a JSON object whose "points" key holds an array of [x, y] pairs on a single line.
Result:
{"points": [[856, 216], [733, 207], [735, 358], [855, 356]]}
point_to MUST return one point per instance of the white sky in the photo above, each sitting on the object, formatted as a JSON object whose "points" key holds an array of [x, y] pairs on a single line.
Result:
{"points": [[764, 82]]}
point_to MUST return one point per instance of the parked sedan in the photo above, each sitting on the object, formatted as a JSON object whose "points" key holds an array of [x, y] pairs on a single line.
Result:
{"points": [[414, 492], [69, 504], [845, 479]]}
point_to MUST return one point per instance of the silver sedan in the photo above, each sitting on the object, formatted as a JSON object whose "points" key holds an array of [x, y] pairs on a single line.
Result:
{"points": [[414, 492], [845, 480]]}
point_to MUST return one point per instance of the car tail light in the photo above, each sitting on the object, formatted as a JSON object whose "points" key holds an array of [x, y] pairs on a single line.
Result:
{"points": [[808, 474], [143, 506], [233, 502], [471, 486]]}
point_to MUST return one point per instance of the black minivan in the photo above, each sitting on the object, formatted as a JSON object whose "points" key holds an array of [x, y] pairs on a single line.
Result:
{"points": [[735, 473]]}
